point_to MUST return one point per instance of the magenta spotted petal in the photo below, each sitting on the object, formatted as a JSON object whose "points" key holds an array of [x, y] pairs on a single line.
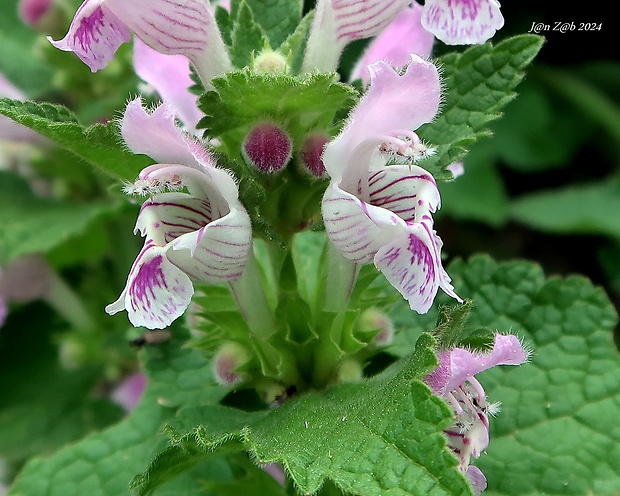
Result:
{"points": [[157, 292], [462, 22], [412, 264], [94, 35], [339, 22]]}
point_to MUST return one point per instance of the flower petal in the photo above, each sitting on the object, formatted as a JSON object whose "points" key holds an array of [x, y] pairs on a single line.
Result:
{"points": [[458, 365], [155, 134], [165, 217], [477, 479], [393, 102], [395, 44], [218, 252], [156, 293], [356, 228], [462, 22], [169, 75], [408, 191], [172, 27], [412, 265], [339, 22], [94, 35]]}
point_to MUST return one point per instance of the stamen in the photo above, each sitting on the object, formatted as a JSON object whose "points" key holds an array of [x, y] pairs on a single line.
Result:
{"points": [[157, 185], [405, 147], [454, 403], [481, 395]]}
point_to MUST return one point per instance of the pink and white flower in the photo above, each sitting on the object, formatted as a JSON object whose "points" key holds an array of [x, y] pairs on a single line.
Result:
{"points": [[462, 22], [339, 22], [454, 380], [381, 213], [203, 234], [185, 27]]}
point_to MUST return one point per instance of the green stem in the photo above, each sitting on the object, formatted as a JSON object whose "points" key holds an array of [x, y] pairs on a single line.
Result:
{"points": [[252, 302], [340, 280], [64, 300]]}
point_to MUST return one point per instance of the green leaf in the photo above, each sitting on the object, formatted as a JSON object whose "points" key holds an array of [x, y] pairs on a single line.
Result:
{"points": [[278, 18], [295, 45], [368, 438], [100, 145], [104, 463], [557, 432], [247, 37], [32, 224], [243, 98], [43, 404], [479, 82], [582, 209]]}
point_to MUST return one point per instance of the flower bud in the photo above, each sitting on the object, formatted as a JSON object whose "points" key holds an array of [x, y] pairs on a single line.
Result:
{"points": [[350, 370], [230, 357], [267, 147], [311, 154], [32, 11], [270, 62], [374, 321]]}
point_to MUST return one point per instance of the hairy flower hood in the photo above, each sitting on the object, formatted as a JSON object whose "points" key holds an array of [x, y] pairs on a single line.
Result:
{"points": [[202, 234]]}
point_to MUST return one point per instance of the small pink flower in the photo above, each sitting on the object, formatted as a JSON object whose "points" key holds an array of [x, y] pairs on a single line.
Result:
{"points": [[462, 22], [454, 380]]}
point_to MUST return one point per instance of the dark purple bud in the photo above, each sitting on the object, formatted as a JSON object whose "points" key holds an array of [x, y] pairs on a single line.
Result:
{"points": [[268, 148], [312, 152]]}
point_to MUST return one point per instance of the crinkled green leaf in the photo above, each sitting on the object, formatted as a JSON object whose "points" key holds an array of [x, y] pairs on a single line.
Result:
{"points": [[295, 45], [479, 83], [585, 209], [243, 98], [32, 224], [100, 145], [368, 438], [247, 37], [104, 463]]}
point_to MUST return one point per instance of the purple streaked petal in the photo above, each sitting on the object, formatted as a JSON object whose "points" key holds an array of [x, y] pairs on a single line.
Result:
{"points": [[458, 365], [94, 35], [410, 264], [356, 228], [218, 252], [477, 479], [462, 22], [167, 216], [408, 191], [339, 22], [172, 27], [156, 293], [169, 75], [404, 36]]}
